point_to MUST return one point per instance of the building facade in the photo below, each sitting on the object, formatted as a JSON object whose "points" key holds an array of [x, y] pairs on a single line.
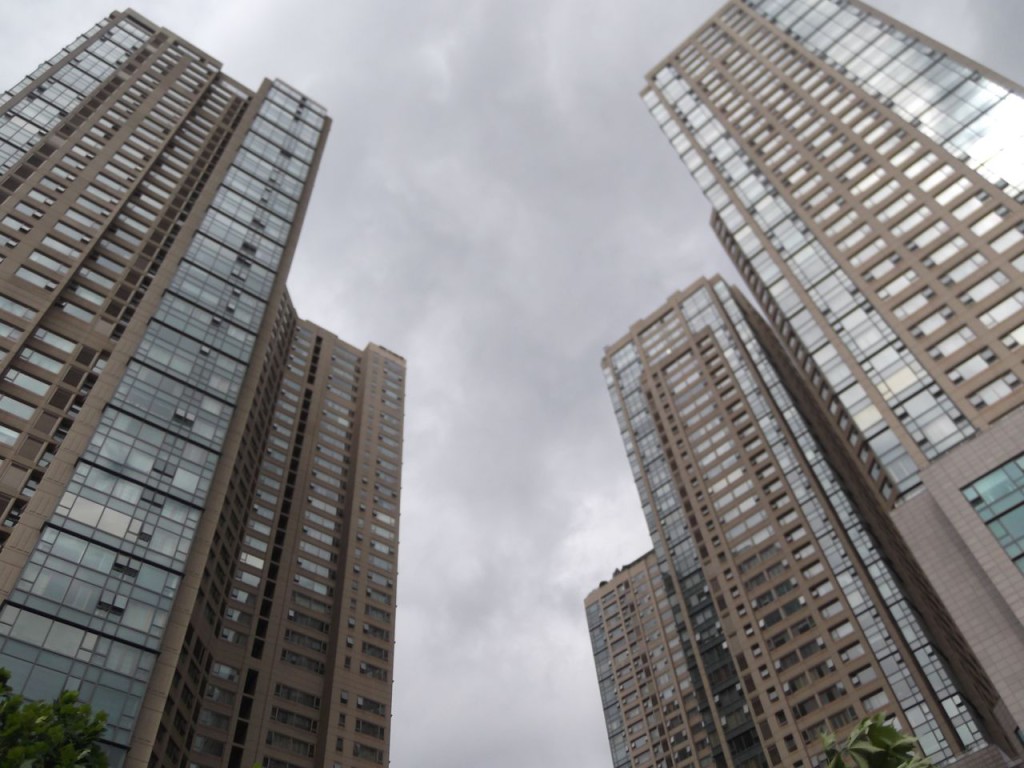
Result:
{"points": [[791, 621], [866, 181], [637, 647], [198, 490]]}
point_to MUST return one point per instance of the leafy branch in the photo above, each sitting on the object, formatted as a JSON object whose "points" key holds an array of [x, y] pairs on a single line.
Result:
{"points": [[63, 733]]}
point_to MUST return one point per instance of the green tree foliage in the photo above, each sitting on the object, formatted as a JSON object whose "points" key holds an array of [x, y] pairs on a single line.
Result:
{"points": [[873, 744], [39, 734]]}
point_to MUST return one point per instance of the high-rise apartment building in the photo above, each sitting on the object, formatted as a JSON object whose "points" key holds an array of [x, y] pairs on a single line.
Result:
{"points": [[853, 476], [636, 641], [199, 491], [789, 620], [867, 181]]}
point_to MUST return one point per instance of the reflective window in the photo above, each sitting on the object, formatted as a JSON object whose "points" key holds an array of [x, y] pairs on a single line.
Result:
{"points": [[998, 498]]}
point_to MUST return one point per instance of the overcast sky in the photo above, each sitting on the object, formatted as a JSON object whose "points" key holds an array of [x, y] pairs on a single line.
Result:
{"points": [[495, 205]]}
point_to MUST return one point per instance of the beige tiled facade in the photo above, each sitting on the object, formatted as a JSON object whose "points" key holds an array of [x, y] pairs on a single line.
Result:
{"points": [[966, 563], [199, 491], [638, 650]]}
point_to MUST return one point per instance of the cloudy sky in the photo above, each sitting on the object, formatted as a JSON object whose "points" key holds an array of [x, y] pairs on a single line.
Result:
{"points": [[495, 205]]}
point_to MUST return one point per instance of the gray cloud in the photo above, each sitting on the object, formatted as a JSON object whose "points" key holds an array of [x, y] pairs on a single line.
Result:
{"points": [[496, 205]]}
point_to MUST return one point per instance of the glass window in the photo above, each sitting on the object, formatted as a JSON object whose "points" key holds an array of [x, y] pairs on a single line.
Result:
{"points": [[998, 498]]}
